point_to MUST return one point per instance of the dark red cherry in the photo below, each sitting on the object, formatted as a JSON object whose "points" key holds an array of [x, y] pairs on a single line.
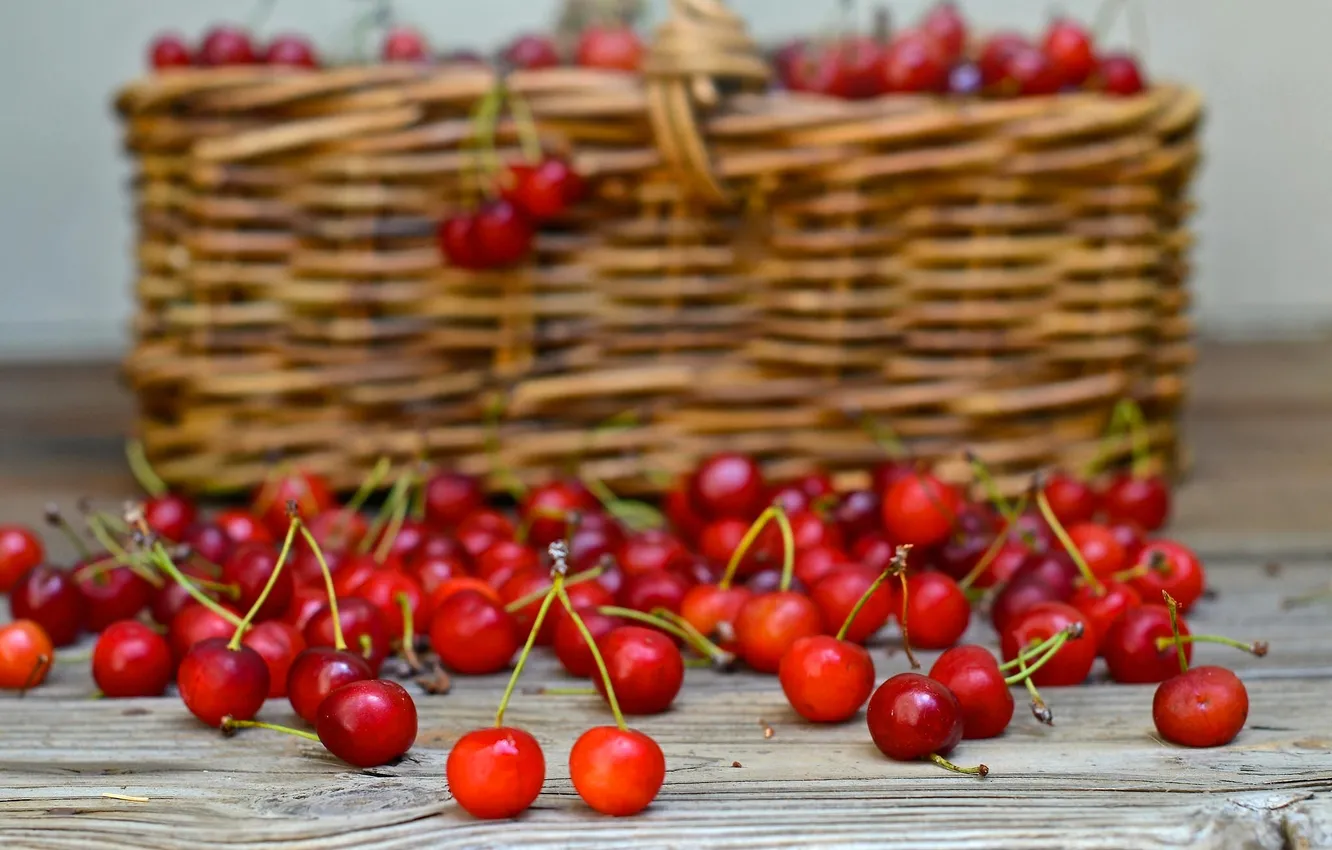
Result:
{"points": [[857, 514], [209, 541], [50, 598], [291, 51], [450, 497], [242, 527], [278, 643], [169, 50], [1121, 76], [458, 243], [226, 45], [646, 591], [995, 53], [170, 515], [532, 52], [1131, 649], [914, 63], [645, 666], [912, 717], [318, 671], [1068, 45], [728, 486], [368, 723], [217, 681], [1144, 501], [363, 628], [249, 568], [404, 44], [503, 234], [112, 594]]}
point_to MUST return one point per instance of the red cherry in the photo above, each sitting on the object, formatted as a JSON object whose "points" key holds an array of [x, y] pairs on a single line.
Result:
{"points": [[217, 681], [291, 51], [859, 513], [168, 51], [440, 545], [1142, 501], [1204, 707], [816, 562], [1171, 567], [502, 234], [920, 510], [645, 666], [767, 581], [962, 551], [610, 48], [112, 594], [305, 601], [458, 243], [818, 69], [1130, 537], [649, 551], [912, 717], [450, 497], [995, 53], [1019, 596], [194, 624], [1055, 569], [1104, 606], [946, 26], [411, 534], [721, 538], [1030, 73], [770, 623], [249, 569], [707, 607], [648, 591], [549, 189], [278, 643], [596, 538], [481, 529], [458, 585], [383, 590], [862, 60], [826, 680], [26, 655], [937, 611], [679, 509], [1130, 646], [1099, 548], [1072, 662], [495, 773], [318, 671], [570, 646], [526, 583], [818, 486], [170, 515], [1069, 48], [728, 485], [1072, 500], [404, 44], [616, 771], [1122, 76], [168, 600], [362, 626], [506, 559], [50, 598], [209, 541], [354, 572], [344, 567], [585, 594], [837, 593], [242, 527], [226, 45], [808, 530], [310, 492], [368, 723], [532, 52], [131, 660], [20, 550], [546, 510], [473, 634], [887, 473], [972, 674], [914, 63]]}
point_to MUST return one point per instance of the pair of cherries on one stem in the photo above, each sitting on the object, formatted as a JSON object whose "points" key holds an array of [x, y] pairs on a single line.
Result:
{"points": [[498, 772]]}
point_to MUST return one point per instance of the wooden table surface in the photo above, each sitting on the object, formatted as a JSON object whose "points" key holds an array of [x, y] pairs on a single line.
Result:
{"points": [[1258, 506]]}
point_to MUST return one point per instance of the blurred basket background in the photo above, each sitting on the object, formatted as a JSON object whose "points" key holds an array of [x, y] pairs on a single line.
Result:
{"points": [[752, 270]]}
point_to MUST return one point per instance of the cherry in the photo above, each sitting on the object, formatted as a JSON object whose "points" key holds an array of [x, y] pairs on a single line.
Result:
{"points": [[616, 771], [1171, 567], [1072, 662], [310, 492], [1144, 501], [367, 723], [571, 647], [505, 559], [790, 498], [410, 535], [767, 581], [241, 527], [362, 627], [861, 59], [1018, 597], [385, 590], [885, 474], [1030, 73], [1069, 48], [596, 538], [217, 681], [770, 623], [912, 717], [650, 551], [645, 667], [914, 63], [547, 508], [458, 243], [973, 676], [209, 541], [649, 591], [1071, 499], [1105, 605], [20, 550], [404, 44], [306, 572], [962, 552], [353, 572], [1201, 707], [1130, 538], [316, 672], [305, 601], [727, 485], [713, 610], [826, 679], [837, 593], [249, 569], [450, 497], [169, 50], [584, 594], [946, 26], [549, 189], [995, 53], [1121, 75], [532, 53], [226, 45], [170, 515], [937, 610], [481, 529], [131, 660], [531, 584], [168, 600], [457, 585], [440, 545], [816, 562], [679, 510], [292, 51], [1055, 570], [26, 655], [1132, 649], [113, 594], [808, 531], [920, 510], [817, 69], [721, 538], [495, 773], [278, 643], [50, 598], [1099, 548], [613, 48], [196, 623], [858, 513], [473, 634], [503, 235]]}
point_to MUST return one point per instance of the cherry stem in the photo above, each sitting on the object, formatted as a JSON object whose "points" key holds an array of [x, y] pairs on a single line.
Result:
{"points": [[367, 646], [528, 136], [1173, 607], [992, 551], [701, 642], [897, 564], [1034, 650], [121, 557], [56, 519], [392, 509], [884, 437], [657, 621], [982, 474], [372, 482], [1067, 542], [1318, 594], [902, 620], [577, 578], [1056, 643], [639, 516], [163, 561], [978, 770], [551, 595], [408, 632], [747, 541], [1039, 709], [1258, 647], [229, 726], [142, 470], [1139, 571], [268, 586], [1137, 426], [1112, 431], [339, 642], [563, 692], [231, 591], [596, 657]]}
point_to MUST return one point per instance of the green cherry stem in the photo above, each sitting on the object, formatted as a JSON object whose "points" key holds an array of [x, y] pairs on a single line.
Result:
{"points": [[118, 552], [393, 508], [701, 643], [596, 655], [339, 641], [142, 470], [992, 551], [1033, 650], [982, 474], [1056, 644], [747, 541], [888, 571], [555, 591], [1137, 427], [230, 726], [56, 519], [1173, 607], [372, 482], [528, 136], [577, 578], [408, 632], [1039, 709], [656, 621], [978, 770], [244, 626], [163, 562], [1258, 647], [1067, 542]]}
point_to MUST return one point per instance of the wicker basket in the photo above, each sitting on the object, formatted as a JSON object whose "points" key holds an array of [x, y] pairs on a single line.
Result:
{"points": [[753, 270]]}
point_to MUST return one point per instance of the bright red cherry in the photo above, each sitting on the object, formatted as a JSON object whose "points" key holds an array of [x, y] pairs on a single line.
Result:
{"points": [[648, 591], [495, 773], [995, 53], [168, 600], [50, 598], [721, 538], [920, 510], [169, 50], [610, 48], [291, 51], [482, 529], [503, 234], [113, 594], [1131, 538], [1072, 662], [318, 671], [170, 515], [837, 594], [946, 26], [547, 508], [131, 660], [368, 723], [728, 485], [549, 189], [1121, 75], [217, 681], [914, 63], [1131, 649], [770, 623], [278, 643], [815, 563], [474, 635], [1171, 567], [861, 59], [1099, 548], [458, 242], [912, 717], [1105, 605], [249, 568], [817, 69], [937, 611], [713, 611], [616, 771], [679, 509], [570, 646], [506, 559], [1031, 73], [384, 589], [194, 624], [1068, 45], [404, 44], [450, 497], [243, 527], [1071, 499], [353, 572], [973, 675], [1143, 501], [305, 601], [1204, 707], [26, 655], [20, 550], [363, 628], [826, 680], [226, 45], [310, 492], [645, 666]]}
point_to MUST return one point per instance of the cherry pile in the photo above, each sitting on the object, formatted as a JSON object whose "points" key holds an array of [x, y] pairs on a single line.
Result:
{"points": [[941, 56], [324, 603]]}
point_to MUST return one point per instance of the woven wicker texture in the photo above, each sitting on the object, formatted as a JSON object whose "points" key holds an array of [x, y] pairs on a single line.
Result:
{"points": [[752, 271]]}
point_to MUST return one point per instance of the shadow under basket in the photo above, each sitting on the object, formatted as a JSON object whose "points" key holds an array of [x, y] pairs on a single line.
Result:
{"points": [[755, 271]]}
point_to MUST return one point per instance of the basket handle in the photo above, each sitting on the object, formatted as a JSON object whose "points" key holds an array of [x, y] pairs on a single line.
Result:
{"points": [[700, 44]]}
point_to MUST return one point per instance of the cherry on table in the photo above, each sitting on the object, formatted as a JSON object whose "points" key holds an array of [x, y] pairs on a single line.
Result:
{"points": [[528, 583], [131, 660], [616, 771], [278, 643], [351, 573], [473, 634], [720, 538], [49, 597], [1142, 500], [1072, 499], [571, 647], [1068, 45], [547, 508], [1099, 548], [858, 512], [596, 537], [1105, 605], [506, 559], [645, 666], [305, 568], [169, 50], [913, 717], [168, 600], [1072, 662], [1131, 646], [482, 529], [713, 610], [1130, 537], [170, 515], [225, 45], [404, 44], [362, 627], [217, 681], [973, 676], [1202, 707], [1020, 595], [26, 655], [1056, 569], [309, 491], [648, 591], [291, 51], [242, 527], [612, 48], [938, 612], [1121, 75], [495, 773], [21, 549], [816, 562], [920, 510], [367, 723], [837, 594], [306, 599], [194, 624], [316, 672], [770, 623], [249, 569], [113, 594], [410, 536], [825, 679], [450, 497], [385, 590], [209, 541], [679, 510], [1171, 567]]}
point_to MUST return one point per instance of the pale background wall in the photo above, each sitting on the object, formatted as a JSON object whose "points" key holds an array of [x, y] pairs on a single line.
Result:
{"points": [[65, 275]]}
